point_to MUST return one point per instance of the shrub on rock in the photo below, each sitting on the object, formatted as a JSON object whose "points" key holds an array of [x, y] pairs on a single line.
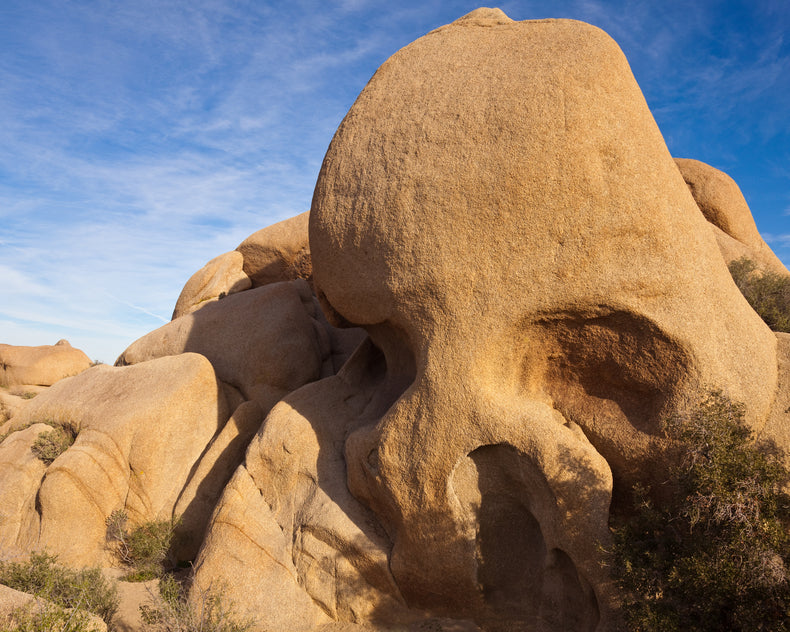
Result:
{"points": [[767, 292], [712, 554]]}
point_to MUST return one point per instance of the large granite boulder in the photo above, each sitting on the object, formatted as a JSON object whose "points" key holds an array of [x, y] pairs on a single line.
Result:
{"points": [[500, 212]]}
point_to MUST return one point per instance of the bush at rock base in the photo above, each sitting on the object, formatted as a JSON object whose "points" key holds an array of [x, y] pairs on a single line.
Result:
{"points": [[715, 554], [145, 548], [48, 617], [84, 590], [49, 445], [170, 611]]}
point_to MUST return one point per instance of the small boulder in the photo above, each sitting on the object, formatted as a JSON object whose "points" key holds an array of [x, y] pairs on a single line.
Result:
{"points": [[221, 276], [280, 252]]}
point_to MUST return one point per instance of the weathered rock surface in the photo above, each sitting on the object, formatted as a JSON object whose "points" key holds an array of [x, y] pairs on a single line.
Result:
{"points": [[266, 342], [777, 427], [723, 205], [141, 431], [21, 473], [221, 458], [500, 212], [221, 276], [42, 366], [287, 519], [280, 252]]}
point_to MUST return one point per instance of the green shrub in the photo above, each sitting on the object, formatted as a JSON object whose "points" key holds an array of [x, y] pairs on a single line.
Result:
{"points": [[49, 445], [145, 548], [767, 292], [48, 617], [28, 395], [85, 589], [170, 611], [713, 555]]}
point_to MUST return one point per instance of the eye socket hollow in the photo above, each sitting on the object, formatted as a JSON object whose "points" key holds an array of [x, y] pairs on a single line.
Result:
{"points": [[616, 374]]}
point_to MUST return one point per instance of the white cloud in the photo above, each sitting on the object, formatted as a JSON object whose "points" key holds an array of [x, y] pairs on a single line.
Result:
{"points": [[140, 140]]}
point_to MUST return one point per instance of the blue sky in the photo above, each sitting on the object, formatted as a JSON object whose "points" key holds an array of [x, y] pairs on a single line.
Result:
{"points": [[140, 139]]}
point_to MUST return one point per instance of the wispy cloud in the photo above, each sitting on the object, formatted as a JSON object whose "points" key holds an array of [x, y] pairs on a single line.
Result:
{"points": [[140, 140]]}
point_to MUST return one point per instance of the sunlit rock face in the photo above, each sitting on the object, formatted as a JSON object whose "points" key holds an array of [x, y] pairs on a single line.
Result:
{"points": [[500, 212], [517, 287]]}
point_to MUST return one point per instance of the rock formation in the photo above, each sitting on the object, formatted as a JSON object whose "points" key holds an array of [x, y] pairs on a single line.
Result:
{"points": [[424, 416], [724, 206], [140, 432], [279, 252], [40, 366], [221, 276]]}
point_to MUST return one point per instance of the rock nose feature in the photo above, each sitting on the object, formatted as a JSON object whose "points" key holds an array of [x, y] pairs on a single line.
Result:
{"points": [[499, 210]]}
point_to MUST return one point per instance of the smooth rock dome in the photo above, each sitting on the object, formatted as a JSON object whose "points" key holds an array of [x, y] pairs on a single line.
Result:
{"points": [[499, 211]]}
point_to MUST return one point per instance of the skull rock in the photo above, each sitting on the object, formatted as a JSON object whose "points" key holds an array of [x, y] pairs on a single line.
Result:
{"points": [[499, 211]]}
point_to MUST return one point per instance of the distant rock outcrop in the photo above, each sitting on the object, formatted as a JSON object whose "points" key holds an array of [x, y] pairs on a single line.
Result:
{"points": [[723, 205], [424, 417], [41, 366]]}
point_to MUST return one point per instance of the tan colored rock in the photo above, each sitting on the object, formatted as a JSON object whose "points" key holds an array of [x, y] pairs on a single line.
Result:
{"points": [[499, 211], [42, 366], [777, 428], [280, 252], [14, 398], [141, 431], [21, 473], [288, 541], [723, 205], [131, 595], [265, 342], [12, 600], [219, 461], [220, 277]]}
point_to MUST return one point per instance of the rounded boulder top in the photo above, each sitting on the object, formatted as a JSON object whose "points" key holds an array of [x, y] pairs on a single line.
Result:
{"points": [[496, 172]]}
